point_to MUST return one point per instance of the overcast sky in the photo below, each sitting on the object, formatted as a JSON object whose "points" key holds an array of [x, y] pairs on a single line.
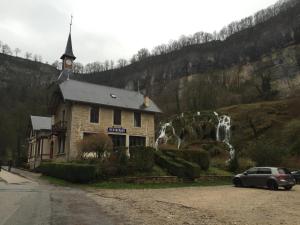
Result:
{"points": [[112, 29]]}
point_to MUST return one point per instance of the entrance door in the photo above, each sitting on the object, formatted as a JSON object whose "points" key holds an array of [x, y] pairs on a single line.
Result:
{"points": [[51, 150], [137, 141], [118, 140]]}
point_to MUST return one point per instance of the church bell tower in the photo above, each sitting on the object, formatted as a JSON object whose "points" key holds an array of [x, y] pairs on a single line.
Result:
{"points": [[68, 57]]}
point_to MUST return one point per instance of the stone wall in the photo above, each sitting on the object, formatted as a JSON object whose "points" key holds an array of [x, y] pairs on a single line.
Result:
{"points": [[147, 180], [80, 124]]}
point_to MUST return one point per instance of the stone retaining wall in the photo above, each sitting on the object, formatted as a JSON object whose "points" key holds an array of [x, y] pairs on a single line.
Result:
{"points": [[147, 180], [212, 178]]}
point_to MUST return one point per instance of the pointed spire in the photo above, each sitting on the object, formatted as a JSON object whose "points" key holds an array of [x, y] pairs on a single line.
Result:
{"points": [[69, 50]]}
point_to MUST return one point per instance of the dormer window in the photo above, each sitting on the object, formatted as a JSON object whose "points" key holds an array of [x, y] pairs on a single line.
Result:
{"points": [[113, 96]]}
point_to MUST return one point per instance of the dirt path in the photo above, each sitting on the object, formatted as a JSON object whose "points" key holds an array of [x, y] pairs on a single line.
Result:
{"points": [[202, 205]]}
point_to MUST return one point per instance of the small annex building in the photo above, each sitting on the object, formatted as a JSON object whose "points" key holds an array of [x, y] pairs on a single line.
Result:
{"points": [[39, 140], [80, 109]]}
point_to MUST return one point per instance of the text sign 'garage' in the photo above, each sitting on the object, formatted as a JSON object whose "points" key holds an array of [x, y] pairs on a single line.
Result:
{"points": [[116, 130]]}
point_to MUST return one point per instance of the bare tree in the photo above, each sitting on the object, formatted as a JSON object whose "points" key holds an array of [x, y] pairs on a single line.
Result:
{"points": [[78, 67], [88, 68], [28, 55], [17, 51], [6, 49], [35, 57], [133, 59], [97, 67], [40, 58], [160, 49], [112, 63], [122, 63], [142, 54], [106, 65]]}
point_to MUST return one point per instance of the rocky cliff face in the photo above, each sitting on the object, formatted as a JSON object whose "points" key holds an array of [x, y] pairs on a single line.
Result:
{"points": [[258, 63]]}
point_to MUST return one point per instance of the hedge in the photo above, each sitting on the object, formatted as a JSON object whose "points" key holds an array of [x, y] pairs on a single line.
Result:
{"points": [[73, 172], [199, 157], [166, 162], [142, 158]]}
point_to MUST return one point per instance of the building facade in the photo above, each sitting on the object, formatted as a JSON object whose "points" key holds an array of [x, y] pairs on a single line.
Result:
{"points": [[80, 109], [39, 140]]}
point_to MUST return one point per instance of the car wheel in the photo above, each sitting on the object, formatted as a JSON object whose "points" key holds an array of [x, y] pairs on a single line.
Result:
{"points": [[272, 185], [288, 188], [237, 182]]}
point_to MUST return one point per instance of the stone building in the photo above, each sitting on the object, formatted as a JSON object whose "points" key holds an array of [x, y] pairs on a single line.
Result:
{"points": [[80, 109]]}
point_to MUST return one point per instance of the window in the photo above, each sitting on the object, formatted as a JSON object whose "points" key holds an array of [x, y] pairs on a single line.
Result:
{"points": [[252, 171], [94, 115], [88, 134], [137, 119], [61, 144], [117, 117], [63, 115], [137, 141], [283, 171], [264, 171]]}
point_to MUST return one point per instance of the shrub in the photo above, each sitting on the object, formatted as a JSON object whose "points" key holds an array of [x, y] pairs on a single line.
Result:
{"points": [[117, 163], [219, 162], [292, 162], [290, 135], [192, 170], [199, 157], [245, 164], [142, 158], [78, 173], [166, 162], [233, 164], [266, 154], [96, 146]]}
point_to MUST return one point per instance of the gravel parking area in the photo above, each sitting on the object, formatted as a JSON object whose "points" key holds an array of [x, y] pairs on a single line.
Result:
{"points": [[201, 205]]}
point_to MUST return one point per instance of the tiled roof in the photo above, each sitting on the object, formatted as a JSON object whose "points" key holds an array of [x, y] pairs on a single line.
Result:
{"points": [[79, 91], [40, 123]]}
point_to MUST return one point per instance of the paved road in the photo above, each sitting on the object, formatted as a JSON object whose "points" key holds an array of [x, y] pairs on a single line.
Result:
{"points": [[26, 202]]}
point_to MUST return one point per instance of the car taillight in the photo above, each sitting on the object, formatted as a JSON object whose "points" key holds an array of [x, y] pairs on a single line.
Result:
{"points": [[281, 177]]}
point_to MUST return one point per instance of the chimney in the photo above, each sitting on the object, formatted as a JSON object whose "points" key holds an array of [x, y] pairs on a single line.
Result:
{"points": [[146, 101]]}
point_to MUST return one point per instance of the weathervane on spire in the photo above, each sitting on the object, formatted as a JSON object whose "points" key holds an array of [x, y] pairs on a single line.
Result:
{"points": [[71, 22]]}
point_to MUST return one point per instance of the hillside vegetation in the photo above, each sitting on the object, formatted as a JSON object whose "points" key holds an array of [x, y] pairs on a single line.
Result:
{"points": [[23, 91], [264, 134], [267, 132]]}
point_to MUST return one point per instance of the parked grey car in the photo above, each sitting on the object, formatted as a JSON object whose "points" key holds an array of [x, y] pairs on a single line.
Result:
{"points": [[271, 177]]}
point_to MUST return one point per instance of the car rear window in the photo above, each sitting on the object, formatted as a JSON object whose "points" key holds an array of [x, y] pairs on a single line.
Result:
{"points": [[283, 171]]}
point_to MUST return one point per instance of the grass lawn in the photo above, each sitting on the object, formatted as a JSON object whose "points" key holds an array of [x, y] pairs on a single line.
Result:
{"points": [[56, 181], [118, 185]]}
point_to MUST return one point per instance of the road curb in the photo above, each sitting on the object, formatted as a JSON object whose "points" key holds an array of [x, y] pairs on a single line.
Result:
{"points": [[19, 174]]}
